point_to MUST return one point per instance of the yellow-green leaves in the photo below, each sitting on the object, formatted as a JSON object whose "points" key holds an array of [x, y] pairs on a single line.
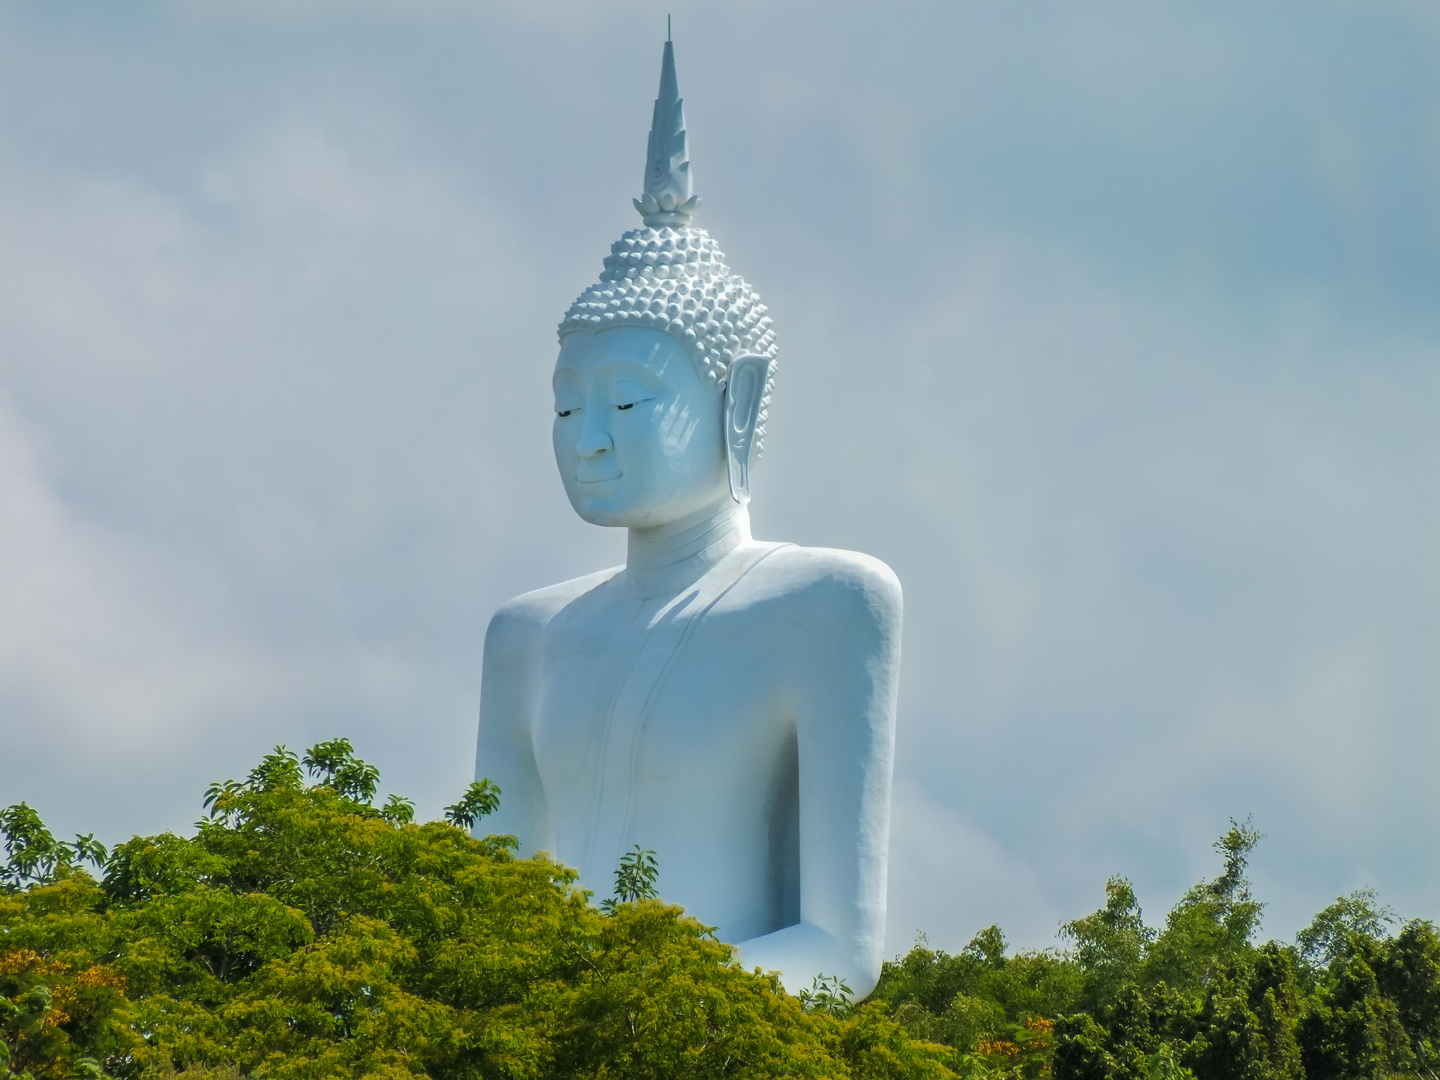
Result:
{"points": [[303, 933]]}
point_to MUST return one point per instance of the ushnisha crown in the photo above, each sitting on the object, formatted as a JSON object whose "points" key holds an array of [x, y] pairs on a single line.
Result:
{"points": [[670, 275]]}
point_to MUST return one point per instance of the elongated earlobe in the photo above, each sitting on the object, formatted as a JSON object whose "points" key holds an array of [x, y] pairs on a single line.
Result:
{"points": [[744, 393]]}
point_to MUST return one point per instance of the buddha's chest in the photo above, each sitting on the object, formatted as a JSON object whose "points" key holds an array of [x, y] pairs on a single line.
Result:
{"points": [[651, 720], [648, 700]]}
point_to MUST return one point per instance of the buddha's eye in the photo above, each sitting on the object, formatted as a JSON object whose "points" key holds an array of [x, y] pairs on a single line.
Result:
{"points": [[564, 412], [626, 394]]}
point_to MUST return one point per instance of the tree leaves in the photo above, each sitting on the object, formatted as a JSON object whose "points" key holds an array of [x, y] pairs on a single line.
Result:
{"points": [[635, 878], [481, 799], [303, 932], [1193, 1000], [335, 763], [33, 856]]}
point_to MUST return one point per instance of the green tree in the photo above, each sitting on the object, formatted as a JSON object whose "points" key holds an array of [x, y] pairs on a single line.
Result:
{"points": [[1249, 1023], [1353, 1032], [828, 994], [1110, 944], [481, 799], [1080, 1049], [990, 1008], [1212, 924], [1196, 1001], [303, 932], [1330, 933], [337, 767], [635, 878], [1408, 973], [398, 810], [33, 856]]}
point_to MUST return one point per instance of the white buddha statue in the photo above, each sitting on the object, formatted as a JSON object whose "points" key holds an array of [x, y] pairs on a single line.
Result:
{"points": [[725, 702]]}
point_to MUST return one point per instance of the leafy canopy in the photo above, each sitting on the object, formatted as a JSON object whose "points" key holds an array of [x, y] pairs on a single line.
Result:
{"points": [[1195, 999], [305, 932]]}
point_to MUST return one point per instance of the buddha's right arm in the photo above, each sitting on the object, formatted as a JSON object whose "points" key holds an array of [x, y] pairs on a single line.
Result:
{"points": [[505, 750]]}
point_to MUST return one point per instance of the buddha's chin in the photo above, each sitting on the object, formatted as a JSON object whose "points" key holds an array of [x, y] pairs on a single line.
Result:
{"points": [[616, 511], [597, 508]]}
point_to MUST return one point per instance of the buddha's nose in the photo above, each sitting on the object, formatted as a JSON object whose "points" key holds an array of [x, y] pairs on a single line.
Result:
{"points": [[594, 438]]}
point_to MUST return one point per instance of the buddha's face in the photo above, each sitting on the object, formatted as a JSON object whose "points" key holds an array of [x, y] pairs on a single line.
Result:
{"points": [[638, 437]]}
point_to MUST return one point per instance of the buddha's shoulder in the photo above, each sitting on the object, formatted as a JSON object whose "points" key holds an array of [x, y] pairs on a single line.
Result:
{"points": [[532, 610], [827, 574]]}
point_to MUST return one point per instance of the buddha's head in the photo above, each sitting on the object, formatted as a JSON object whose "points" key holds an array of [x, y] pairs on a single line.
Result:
{"points": [[666, 365]]}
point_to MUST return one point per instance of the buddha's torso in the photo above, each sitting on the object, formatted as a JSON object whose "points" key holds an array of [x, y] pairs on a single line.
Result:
{"points": [[663, 723]]}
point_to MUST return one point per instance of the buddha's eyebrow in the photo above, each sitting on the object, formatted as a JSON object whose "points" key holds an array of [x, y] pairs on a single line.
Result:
{"points": [[628, 369]]}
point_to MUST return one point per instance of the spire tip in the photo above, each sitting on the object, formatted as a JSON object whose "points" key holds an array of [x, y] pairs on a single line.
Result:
{"points": [[669, 197]]}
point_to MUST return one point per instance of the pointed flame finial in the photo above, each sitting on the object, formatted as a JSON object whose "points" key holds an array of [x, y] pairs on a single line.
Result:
{"points": [[668, 198]]}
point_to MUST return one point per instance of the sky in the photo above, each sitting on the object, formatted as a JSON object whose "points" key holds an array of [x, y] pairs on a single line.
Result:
{"points": [[1114, 328]]}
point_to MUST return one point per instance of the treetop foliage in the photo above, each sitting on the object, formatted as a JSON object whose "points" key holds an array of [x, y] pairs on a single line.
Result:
{"points": [[635, 878], [1194, 999], [32, 854], [481, 798], [305, 932]]}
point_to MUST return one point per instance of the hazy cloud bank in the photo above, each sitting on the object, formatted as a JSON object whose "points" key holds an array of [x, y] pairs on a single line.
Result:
{"points": [[1112, 330]]}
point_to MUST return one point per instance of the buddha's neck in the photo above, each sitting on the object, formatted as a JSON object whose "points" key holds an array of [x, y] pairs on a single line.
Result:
{"points": [[663, 559]]}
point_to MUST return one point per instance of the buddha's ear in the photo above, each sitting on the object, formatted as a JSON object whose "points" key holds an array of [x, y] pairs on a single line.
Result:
{"points": [[744, 393]]}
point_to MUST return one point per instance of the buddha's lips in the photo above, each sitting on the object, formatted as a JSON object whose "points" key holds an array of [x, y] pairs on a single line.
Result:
{"points": [[598, 479]]}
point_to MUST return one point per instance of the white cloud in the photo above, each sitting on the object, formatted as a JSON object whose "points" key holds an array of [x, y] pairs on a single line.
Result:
{"points": [[88, 665], [948, 879], [1076, 335]]}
